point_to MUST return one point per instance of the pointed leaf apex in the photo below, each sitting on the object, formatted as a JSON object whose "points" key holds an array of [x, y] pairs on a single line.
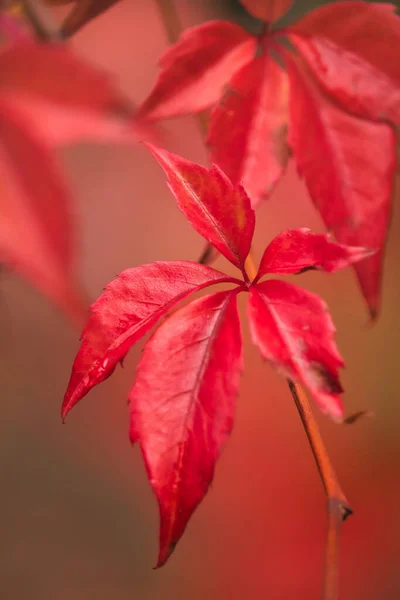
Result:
{"points": [[218, 210], [165, 554]]}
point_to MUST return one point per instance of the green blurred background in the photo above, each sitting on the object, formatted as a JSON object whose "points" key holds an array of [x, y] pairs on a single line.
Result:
{"points": [[78, 519]]}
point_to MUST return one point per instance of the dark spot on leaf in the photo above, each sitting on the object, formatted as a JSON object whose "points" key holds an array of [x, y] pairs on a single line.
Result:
{"points": [[327, 382], [305, 269]]}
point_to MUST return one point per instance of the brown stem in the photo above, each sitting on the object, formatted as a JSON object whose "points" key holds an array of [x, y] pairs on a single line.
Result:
{"points": [[250, 266], [42, 23], [170, 18], [338, 506]]}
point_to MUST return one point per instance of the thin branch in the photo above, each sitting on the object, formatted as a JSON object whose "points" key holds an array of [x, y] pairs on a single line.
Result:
{"points": [[82, 13], [170, 18], [250, 266], [338, 506], [45, 27]]}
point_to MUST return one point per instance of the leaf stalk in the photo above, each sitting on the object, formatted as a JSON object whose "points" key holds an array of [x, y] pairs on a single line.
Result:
{"points": [[338, 506]]}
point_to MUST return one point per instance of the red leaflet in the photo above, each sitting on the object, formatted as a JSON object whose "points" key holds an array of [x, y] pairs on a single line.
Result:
{"points": [[60, 77], [248, 128], [195, 69], [127, 309], [370, 30], [217, 210], [35, 224], [294, 331], [267, 10], [357, 85], [299, 250], [183, 398], [182, 406], [349, 47], [350, 182]]}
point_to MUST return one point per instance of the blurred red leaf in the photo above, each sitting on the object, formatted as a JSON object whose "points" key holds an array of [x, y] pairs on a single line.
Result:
{"points": [[357, 85], [298, 250], [67, 99], [267, 10], [195, 69], [349, 181], [294, 331], [350, 48], [48, 97], [130, 306], [248, 129], [370, 30], [182, 406], [219, 211], [35, 227]]}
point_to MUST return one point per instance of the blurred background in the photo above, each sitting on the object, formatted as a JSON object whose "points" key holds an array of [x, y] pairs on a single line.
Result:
{"points": [[78, 519]]}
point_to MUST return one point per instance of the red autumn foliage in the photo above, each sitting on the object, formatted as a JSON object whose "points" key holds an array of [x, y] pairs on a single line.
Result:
{"points": [[182, 401], [332, 105], [324, 90]]}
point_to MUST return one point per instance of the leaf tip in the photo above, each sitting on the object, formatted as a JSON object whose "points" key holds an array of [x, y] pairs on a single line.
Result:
{"points": [[165, 553], [373, 314], [164, 158], [155, 150], [65, 408], [71, 398]]}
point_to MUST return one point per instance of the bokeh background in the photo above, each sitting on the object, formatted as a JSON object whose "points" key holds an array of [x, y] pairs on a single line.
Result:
{"points": [[78, 519]]}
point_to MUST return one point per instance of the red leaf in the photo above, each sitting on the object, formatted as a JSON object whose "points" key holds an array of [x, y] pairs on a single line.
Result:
{"points": [[370, 30], [195, 69], [67, 99], [267, 10], [249, 127], [294, 331], [60, 77], [348, 165], [297, 250], [35, 224], [129, 306], [182, 406], [357, 85], [219, 211]]}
